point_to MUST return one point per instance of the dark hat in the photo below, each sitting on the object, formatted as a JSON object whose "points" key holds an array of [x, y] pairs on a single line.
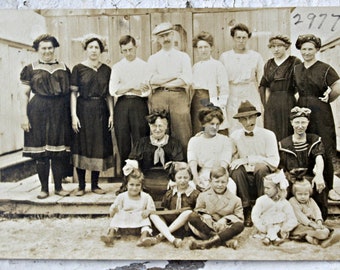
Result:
{"points": [[283, 38], [162, 28], [246, 109], [299, 112], [308, 38]]}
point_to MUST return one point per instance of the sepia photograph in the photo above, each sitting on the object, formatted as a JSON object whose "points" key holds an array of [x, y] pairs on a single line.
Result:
{"points": [[170, 134]]}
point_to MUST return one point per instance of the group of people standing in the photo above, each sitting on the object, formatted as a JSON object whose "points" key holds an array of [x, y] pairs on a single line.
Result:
{"points": [[167, 111]]}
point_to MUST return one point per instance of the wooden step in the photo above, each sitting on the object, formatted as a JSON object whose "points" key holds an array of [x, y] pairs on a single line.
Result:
{"points": [[20, 198], [14, 167]]}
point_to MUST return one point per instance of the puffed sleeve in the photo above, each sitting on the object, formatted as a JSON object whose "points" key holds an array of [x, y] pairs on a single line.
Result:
{"points": [[192, 200], [150, 204], [318, 149], [26, 75], [74, 79], [166, 199], [331, 76]]}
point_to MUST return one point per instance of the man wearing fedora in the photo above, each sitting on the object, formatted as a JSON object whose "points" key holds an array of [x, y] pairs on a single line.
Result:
{"points": [[255, 156], [171, 76]]}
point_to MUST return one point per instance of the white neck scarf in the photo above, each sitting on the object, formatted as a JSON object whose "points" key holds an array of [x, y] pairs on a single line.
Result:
{"points": [[159, 155]]}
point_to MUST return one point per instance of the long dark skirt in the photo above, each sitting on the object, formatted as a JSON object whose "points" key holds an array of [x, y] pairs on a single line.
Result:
{"points": [[50, 133], [92, 147]]}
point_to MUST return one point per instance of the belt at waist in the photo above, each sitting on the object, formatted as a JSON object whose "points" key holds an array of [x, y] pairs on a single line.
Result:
{"points": [[171, 89], [91, 98], [130, 97]]}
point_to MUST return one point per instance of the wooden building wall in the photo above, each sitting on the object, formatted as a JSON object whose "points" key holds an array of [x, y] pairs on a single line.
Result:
{"points": [[70, 26], [16, 37]]}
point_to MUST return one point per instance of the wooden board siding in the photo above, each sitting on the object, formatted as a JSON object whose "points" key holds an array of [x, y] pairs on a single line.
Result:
{"points": [[70, 26]]}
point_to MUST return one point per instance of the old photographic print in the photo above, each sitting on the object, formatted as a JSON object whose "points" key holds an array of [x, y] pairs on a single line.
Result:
{"points": [[57, 183]]}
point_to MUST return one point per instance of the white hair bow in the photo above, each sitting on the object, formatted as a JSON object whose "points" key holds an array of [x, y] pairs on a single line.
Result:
{"points": [[280, 178], [129, 166]]}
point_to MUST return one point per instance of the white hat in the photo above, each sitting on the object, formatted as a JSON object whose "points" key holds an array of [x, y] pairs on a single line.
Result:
{"points": [[162, 28]]}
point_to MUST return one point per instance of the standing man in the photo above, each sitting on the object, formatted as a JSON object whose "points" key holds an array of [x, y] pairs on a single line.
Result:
{"points": [[128, 83], [255, 156], [244, 69], [171, 75]]}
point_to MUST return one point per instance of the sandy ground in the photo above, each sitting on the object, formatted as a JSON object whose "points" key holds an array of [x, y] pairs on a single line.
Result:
{"points": [[78, 238]]}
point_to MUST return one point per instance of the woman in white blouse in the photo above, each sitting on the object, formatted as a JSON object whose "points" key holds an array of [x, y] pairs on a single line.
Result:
{"points": [[208, 149], [210, 82]]}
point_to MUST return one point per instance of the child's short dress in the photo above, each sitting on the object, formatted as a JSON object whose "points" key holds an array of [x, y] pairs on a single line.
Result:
{"points": [[267, 212], [170, 201], [130, 211]]}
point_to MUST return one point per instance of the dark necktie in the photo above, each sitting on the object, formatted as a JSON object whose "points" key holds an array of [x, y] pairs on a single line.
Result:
{"points": [[249, 133]]}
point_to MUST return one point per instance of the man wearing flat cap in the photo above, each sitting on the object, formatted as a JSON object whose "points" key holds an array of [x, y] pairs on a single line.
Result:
{"points": [[255, 156], [171, 75]]}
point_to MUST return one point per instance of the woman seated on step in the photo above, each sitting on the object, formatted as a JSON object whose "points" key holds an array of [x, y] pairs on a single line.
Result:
{"points": [[153, 152]]}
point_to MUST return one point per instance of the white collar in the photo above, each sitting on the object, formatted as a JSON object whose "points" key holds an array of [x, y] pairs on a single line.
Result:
{"points": [[187, 192]]}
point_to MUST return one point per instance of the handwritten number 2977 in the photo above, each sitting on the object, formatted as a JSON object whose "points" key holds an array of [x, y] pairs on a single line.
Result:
{"points": [[319, 20]]}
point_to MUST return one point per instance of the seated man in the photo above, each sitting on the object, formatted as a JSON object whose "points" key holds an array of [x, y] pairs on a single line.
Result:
{"points": [[303, 156], [255, 156]]}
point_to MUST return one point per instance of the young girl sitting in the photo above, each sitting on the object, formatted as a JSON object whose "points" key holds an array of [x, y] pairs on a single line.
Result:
{"points": [[131, 209], [309, 216], [218, 215], [272, 214], [178, 203]]}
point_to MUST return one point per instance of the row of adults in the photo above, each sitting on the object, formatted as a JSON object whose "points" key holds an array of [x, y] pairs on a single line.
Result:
{"points": [[166, 80]]}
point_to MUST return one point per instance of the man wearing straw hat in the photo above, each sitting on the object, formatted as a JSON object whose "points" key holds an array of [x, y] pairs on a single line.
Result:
{"points": [[171, 75], [255, 156]]}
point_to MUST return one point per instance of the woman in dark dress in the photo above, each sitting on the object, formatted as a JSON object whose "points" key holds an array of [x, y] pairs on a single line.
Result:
{"points": [[92, 115], [153, 152], [302, 156], [318, 84], [276, 87], [46, 116]]}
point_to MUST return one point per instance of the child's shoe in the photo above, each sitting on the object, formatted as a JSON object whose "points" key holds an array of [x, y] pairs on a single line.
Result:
{"points": [[312, 240], [266, 241], [278, 241], [232, 243], [177, 242], [146, 240]]}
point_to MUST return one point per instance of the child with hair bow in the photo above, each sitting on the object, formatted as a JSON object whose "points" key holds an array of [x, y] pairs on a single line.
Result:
{"points": [[272, 214], [132, 208]]}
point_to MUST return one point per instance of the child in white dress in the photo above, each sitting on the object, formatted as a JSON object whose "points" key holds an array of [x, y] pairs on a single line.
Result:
{"points": [[131, 209], [308, 214], [272, 214]]}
